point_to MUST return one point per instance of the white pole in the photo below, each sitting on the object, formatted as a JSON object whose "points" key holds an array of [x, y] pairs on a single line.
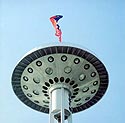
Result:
{"points": [[62, 105], [59, 105], [51, 118]]}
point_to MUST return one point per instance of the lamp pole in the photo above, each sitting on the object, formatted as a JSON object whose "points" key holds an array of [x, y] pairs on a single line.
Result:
{"points": [[60, 81]]}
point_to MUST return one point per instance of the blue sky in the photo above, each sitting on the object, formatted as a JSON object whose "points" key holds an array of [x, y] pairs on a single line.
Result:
{"points": [[97, 25]]}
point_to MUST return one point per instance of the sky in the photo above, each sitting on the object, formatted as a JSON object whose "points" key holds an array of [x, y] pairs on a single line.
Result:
{"points": [[96, 25]]}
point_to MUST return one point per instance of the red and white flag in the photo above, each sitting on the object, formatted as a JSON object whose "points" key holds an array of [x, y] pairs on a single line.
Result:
{"points": [[54, 20]]}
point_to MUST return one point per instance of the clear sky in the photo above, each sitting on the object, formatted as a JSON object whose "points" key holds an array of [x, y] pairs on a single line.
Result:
{"points": [[98, 25]]}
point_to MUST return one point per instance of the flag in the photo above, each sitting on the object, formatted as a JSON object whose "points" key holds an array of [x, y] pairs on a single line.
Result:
{"points": [[54, 20]]}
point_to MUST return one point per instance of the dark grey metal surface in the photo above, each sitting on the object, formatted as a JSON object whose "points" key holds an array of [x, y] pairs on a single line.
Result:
{"points": [[77, 69]]}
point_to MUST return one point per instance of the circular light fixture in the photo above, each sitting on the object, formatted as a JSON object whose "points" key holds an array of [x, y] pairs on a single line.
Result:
{"points": [[93, 91], [25, 78], [49, 71], [86, 66], [67, 69], [76, 60], [38, 63], [35, 92], [82, 77], [30, 70], [50, 59], [36, 80], [29, 95], [95, 83], [77, 70], [64, 58], [85, 89], [36, 101], [93, 74], [25, 87]]}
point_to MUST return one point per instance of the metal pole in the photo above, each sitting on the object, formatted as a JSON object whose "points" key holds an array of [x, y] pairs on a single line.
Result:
{"points": [[62, 105], [51, 115]]}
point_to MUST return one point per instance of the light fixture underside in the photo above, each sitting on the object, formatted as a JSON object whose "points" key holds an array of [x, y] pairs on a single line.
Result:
{"points": [[80, 71]]}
